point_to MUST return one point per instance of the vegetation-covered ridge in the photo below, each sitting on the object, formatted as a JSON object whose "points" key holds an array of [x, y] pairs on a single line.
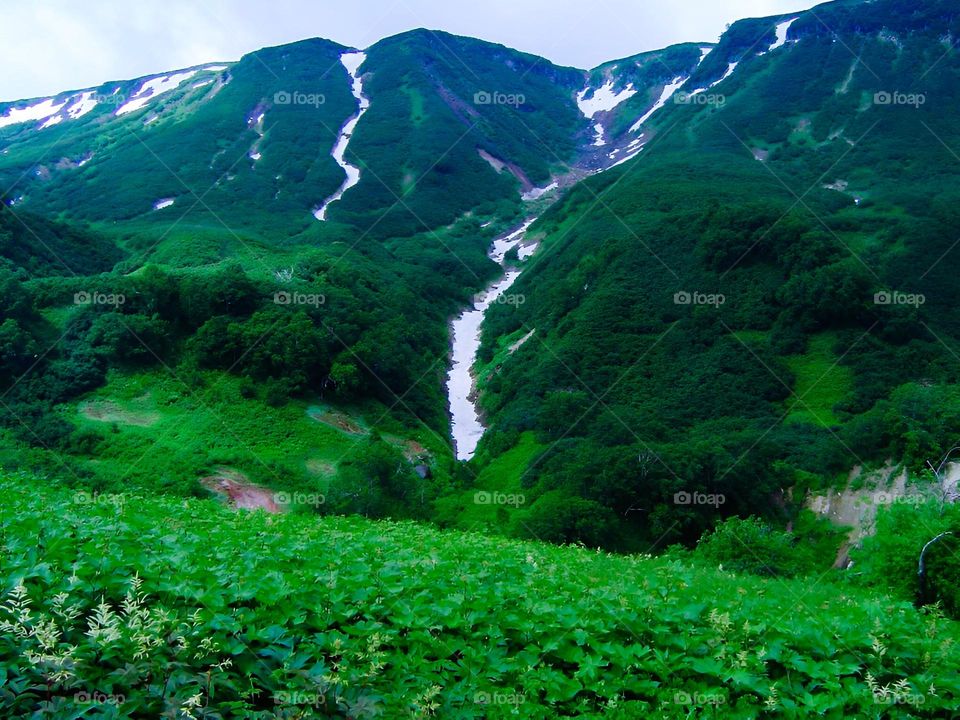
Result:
{"points": [[759, 302], [129, 606]]}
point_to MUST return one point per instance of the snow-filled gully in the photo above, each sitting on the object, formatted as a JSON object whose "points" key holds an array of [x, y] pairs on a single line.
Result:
{"points": [[466, 426], [352, 62]]}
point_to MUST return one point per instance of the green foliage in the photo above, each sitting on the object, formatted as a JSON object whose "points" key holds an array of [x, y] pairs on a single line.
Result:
{"points": [[256, 616], [889, 559], [42, 247], [751, 546], [800, 369]]}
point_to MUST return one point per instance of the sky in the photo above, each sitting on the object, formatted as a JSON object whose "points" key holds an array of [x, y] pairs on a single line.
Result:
{"points": [[47, 46]]}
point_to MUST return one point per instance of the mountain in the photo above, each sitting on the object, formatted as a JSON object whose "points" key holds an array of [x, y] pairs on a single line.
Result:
{"points": [[375, 378], [731, 266], [759, 302], [214, 190]]}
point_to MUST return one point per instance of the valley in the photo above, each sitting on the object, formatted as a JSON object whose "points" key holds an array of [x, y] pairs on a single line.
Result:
{"points": [[434, 378]]}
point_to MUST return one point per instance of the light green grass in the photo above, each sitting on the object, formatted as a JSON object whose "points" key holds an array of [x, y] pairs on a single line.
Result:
{"points": [[821, 383], [503, 476], [157, 433]]}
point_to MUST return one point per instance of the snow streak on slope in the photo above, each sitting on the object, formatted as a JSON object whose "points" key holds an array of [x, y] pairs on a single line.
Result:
{"points": [[537, 193], [599, 140], [84, 104], [352, 62], [603, 99], [668, 91], [466, 425], [152, 88], [781, 40], [40, 111], [730, 68], [256, 124]]}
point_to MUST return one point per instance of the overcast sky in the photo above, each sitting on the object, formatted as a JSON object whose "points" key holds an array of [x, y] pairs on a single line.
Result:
{"points": [[51, 45]]}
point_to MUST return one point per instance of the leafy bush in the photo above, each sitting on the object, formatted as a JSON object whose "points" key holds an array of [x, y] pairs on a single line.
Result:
{"points": [[748, 545], [255, 616]]}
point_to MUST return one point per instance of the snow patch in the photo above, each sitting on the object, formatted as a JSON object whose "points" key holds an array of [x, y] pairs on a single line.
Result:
{"points": [[599, 141], [781, 31], [86, 102], [525, 251], [730, 68], [153, 88], [165, 203], [257, 125], [352, 62], [214, 68], [668, 91], [537, 193], [629, 157], [465, 423], [503, 245], [41, 111], [603, 98]]}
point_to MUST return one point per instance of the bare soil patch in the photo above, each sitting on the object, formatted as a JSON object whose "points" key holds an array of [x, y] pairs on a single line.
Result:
{"points": [[240, 492]]}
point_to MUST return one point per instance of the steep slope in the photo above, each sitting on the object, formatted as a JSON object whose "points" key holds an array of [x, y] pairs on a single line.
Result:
{"points": [[39, 247], [761, 300], [242, 146], [622, 94], [458, 124]]}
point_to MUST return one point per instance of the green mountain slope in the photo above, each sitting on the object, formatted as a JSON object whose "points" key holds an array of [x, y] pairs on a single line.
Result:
{"points": [[438, 100], [193, 145], [131, 606], [201, 195], [761, 300], [40, 247]]}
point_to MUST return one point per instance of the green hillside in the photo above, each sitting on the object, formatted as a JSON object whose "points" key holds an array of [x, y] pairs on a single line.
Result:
{"points": [[764, 295], [123, 605]]}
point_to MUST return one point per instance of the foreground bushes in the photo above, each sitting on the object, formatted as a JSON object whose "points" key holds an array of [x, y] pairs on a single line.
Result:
{"points": [[120, 606]]}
